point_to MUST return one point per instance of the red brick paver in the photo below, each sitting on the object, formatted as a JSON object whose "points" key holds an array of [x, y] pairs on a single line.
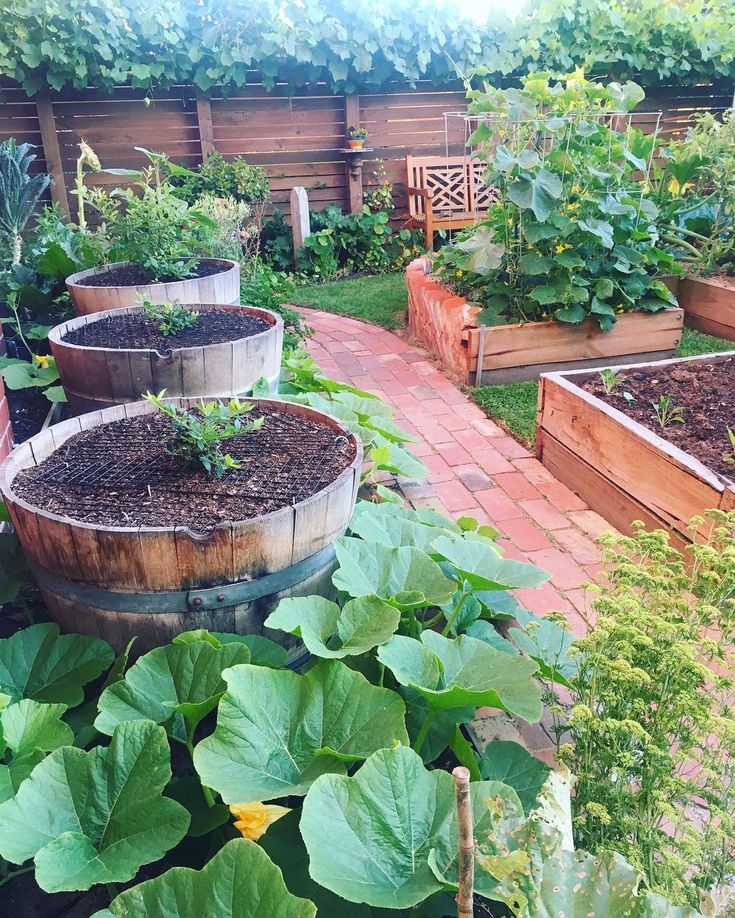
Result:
{"points": [[475, 468]]}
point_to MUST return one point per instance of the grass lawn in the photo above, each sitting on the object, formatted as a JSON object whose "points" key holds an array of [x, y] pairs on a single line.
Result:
{"points": [[382, 299]]}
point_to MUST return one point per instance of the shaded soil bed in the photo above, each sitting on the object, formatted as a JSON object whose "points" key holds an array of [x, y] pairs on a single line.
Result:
{"points": [[132, 275], [28, 409], [120, 474], [138, 332], [704, 391]]}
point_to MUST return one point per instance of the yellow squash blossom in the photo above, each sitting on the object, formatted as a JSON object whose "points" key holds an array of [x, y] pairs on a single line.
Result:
{"points": [[252, 819], [42, 361]]}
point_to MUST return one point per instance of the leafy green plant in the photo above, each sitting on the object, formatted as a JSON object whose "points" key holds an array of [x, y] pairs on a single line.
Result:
{"points": [[153, 227], [357, 133], [171, 318], [573, 233], [611, 379], [261, 285], [666, 411], [650, 733], [730, 457], [198, 434], [221, 178], [19, 192]]}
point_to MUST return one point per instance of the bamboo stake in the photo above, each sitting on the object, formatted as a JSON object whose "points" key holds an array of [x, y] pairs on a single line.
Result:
{"points": [[464, 900]]}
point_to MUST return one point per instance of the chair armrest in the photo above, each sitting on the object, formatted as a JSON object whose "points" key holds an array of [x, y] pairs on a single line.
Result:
{"points": [[421, 192]]}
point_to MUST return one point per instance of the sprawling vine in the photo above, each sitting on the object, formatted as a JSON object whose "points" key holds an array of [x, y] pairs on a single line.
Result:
{"points": [[157, 43]]}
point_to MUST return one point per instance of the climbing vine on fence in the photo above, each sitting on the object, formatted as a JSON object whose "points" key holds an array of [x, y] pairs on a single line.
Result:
{"points": [[155, 43]]}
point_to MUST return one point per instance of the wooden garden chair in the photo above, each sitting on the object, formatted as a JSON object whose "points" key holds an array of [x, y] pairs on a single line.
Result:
{"points": [[446, 193]]}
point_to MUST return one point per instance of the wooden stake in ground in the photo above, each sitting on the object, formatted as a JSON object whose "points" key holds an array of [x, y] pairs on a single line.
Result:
{"points": [[461, 777]]}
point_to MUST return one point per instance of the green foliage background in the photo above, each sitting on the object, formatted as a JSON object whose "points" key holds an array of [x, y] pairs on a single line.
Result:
{"points": [[155, 43]]}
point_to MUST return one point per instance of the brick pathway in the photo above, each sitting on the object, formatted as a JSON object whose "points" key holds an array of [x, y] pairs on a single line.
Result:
{"points": [[475, 468]]}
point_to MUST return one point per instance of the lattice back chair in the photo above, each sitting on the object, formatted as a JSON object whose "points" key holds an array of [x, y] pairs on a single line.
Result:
{"points": [[446, 193]]}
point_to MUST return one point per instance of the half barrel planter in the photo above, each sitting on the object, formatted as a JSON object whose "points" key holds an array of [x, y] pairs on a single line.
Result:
{"points": [[155, 582], [621, 469], [495, 355], [98, 377], [709, 305], [222, 287]]}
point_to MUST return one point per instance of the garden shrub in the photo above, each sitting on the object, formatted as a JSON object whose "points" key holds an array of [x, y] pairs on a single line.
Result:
{"points": [[573, 234], [651, 734], [221, 178]]}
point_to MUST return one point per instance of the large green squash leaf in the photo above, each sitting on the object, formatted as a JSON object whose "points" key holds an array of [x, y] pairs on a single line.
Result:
{"points": [[95, 817], [239, 882], [329, 631], [176, 685], [538, 193], [395, 527], [406, 577], [28, 731], [510, 763], [285, 847], [548, 643], [42, 664], [538, 878], [484, 568], [278, 731], [392, 830], [450, 673]]}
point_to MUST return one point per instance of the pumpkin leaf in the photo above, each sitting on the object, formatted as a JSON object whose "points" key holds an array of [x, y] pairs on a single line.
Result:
{"points": [[405, 577], [538, 193], [95, 817], [41, 664], [329, 631], [510, 763], [392, 830], [451, 673], [176, 685], [278, 731], [239, 882], [484, 568], [28, 731]]}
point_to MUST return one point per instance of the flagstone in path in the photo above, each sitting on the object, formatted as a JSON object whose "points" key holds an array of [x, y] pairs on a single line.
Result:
{"points": [[475, 467]]}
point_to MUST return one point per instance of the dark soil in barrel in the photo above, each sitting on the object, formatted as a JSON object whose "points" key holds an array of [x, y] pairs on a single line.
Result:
{"points": [[704, 392], [138, 332], [131, 275], [123, 474]]}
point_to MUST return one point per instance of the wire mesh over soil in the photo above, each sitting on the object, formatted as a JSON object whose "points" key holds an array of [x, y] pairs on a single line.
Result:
{"points": [[138, 332], [705, 393], [121, 474]]}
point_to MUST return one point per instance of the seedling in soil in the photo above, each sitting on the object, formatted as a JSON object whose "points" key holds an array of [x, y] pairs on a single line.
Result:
{"points": [[172, 318], [666, 412], [198, 435], [730, 457], [611, 379]]}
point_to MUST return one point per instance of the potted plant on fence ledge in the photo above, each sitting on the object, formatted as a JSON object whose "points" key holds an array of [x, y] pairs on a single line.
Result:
{"points": [[156, 517], [356, 138], [565, 267], [156, 243], [113, 357], [695, 185]]}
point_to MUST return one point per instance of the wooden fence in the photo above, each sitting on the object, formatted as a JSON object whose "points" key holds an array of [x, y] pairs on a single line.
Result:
{"points": [[299, 138]]}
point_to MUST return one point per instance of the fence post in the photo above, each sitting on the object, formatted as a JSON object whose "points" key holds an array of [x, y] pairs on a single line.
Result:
{"points": [[353, 164], [204, 120], [51, 150]]}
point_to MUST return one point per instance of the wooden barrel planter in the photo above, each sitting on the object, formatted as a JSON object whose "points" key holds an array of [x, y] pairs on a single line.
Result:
{"points": [[96, 377], [221, 285], [155, 581]]}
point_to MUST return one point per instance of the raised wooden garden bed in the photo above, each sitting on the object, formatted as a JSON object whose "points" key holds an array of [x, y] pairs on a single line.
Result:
{"points": [[150, 579], [619, 467], [221, 284], [709, 305], [446, 325], [101, 374]]}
